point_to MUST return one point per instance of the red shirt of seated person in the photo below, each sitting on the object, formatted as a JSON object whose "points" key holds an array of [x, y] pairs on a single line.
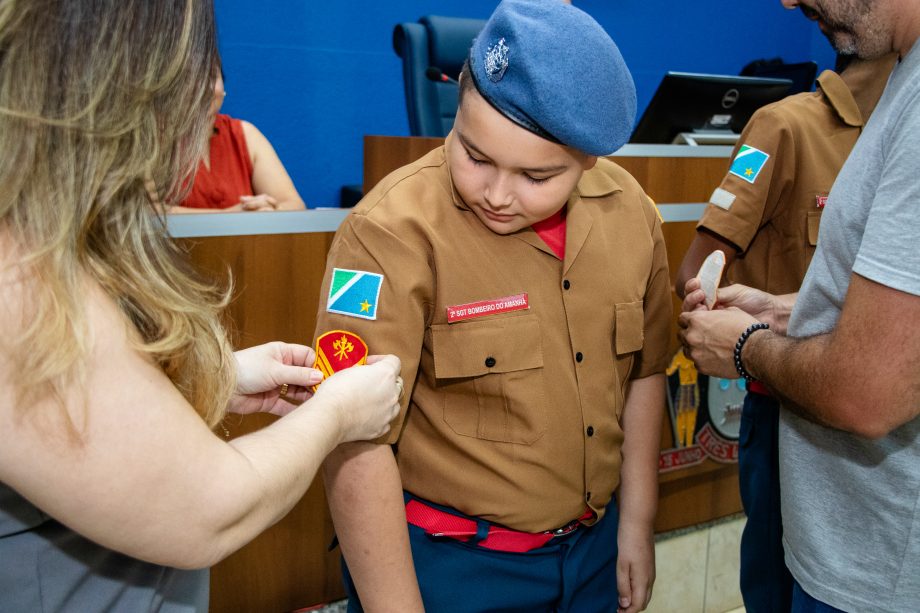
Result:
{"points": [[241, 172]]}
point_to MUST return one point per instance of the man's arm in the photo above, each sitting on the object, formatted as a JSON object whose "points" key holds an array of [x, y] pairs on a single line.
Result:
{"points": [[704, 243], [860, 377], [638, 492], [366, 501]]}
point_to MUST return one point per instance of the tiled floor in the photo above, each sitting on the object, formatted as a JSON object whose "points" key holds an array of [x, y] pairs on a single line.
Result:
{"points": [[697, 570]]}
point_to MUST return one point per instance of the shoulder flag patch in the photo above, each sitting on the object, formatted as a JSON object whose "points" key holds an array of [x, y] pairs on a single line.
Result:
{"points": [[748, 163], [354, 293]]}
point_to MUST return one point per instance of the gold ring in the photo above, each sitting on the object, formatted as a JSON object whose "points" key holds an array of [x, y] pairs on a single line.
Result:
{"points": [[282, 393], [399, 386]]}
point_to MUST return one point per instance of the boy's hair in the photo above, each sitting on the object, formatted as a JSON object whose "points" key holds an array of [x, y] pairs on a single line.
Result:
{"points": [[97, 99], [466, 82]]}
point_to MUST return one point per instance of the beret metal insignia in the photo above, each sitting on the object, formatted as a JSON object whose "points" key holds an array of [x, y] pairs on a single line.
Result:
{"points": [[496, 62]]}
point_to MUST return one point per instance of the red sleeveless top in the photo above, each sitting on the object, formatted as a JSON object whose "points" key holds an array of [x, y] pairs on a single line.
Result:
{"points": [[230, 175]]}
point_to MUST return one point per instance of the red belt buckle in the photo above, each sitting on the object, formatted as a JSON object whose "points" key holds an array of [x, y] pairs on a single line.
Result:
{"points": [[566, 529]]}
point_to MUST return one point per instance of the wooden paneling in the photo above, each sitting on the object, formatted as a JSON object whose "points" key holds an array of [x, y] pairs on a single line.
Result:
{"points": [[277, 280], [675, 180], [384, 154]]}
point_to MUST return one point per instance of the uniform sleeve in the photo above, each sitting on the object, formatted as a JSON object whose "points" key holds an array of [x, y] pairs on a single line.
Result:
{"points": [[749, 194], [402, 305], [657, 305]]}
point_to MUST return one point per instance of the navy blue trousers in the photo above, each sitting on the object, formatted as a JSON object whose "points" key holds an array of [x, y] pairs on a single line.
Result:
{"points": [[802, 602], [766, 584], [575, 573]]}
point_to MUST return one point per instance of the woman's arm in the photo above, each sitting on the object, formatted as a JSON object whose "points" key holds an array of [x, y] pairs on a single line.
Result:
{"points": [[269, 178], [142, 474]]}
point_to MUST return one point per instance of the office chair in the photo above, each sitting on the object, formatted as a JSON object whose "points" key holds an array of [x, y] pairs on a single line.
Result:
{"points": [[433, 47]]}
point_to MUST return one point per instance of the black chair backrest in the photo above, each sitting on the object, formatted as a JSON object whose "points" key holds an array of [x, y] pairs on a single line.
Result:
{"points": [[438, 42]]}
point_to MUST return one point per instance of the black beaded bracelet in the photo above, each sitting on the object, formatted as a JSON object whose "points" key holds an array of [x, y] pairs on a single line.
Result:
{"points": [[740, 345]]}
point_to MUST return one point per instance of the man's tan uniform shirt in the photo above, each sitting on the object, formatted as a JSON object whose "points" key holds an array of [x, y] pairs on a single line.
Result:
{"points": [[774, 218], [511, 417]]}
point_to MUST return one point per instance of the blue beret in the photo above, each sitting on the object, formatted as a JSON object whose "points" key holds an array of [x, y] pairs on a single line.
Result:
{"points": [[551, 68]]}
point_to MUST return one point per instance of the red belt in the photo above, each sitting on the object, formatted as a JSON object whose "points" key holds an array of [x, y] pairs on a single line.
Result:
{"points": [[440, 523], [757, 387]]}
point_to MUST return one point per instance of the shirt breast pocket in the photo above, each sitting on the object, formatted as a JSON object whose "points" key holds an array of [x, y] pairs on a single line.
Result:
{"points": [[490, 375], [629, 337], [630, 327], [813, 224]]}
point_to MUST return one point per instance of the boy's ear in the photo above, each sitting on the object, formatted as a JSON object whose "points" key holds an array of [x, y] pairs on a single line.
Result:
{"points": [[589, 162]]}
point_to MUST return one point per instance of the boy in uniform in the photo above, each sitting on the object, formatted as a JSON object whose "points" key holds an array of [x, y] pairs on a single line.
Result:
{"points": [[765, 217], [523, 281]]}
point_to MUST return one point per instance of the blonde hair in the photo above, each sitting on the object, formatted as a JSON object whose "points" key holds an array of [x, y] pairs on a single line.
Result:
{"points": [[97, 98]]}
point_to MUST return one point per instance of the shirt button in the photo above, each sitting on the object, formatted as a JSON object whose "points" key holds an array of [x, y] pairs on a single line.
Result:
{"points": [[579, 357], [490, 362], [588, 497], [590, 430], [566, 284]]}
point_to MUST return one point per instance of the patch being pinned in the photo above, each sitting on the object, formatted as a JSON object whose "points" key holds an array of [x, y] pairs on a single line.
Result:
{"points": [[354, 293], [748, 163], [337, 350]]}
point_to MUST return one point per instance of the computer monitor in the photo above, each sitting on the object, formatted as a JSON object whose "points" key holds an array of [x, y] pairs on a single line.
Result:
{"points": [[704, 108], [802, 74]]}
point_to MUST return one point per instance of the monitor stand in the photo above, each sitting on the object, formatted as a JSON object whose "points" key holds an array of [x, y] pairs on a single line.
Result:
{"points": [[706, 137]]}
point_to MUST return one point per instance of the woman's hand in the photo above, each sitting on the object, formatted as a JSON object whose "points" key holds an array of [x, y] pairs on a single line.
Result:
{"points": [[365, 398], [259, 202], [262, 370]]}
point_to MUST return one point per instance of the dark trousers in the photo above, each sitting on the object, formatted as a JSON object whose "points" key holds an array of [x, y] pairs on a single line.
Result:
{"points": [[766, 584], [802, 602], [575, 573]]}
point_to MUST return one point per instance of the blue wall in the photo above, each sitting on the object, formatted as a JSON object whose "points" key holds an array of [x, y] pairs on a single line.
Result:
{"points": [[316, 76]]}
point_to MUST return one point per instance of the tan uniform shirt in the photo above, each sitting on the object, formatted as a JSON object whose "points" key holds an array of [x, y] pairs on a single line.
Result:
{"points": [[774, 219], [511, 417]]}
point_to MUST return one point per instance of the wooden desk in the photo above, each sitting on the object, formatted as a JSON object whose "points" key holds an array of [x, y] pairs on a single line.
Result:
{"points": [[278, 260]]}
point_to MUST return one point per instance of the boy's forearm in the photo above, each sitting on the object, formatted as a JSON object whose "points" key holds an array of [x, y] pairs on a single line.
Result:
{"points": [[641, 423], [365, 498]]}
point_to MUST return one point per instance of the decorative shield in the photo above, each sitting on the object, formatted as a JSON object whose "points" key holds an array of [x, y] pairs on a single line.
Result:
{"points": [[337, 350], [726, 396]]}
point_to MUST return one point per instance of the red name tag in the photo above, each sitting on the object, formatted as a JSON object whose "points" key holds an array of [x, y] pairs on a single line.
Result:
{"points": [[482, 308], [820, 201]]}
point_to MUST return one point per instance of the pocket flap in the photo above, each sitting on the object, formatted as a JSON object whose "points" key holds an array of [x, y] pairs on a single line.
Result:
{"points": [[814, 221], [630, 327], [474, 348]]}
